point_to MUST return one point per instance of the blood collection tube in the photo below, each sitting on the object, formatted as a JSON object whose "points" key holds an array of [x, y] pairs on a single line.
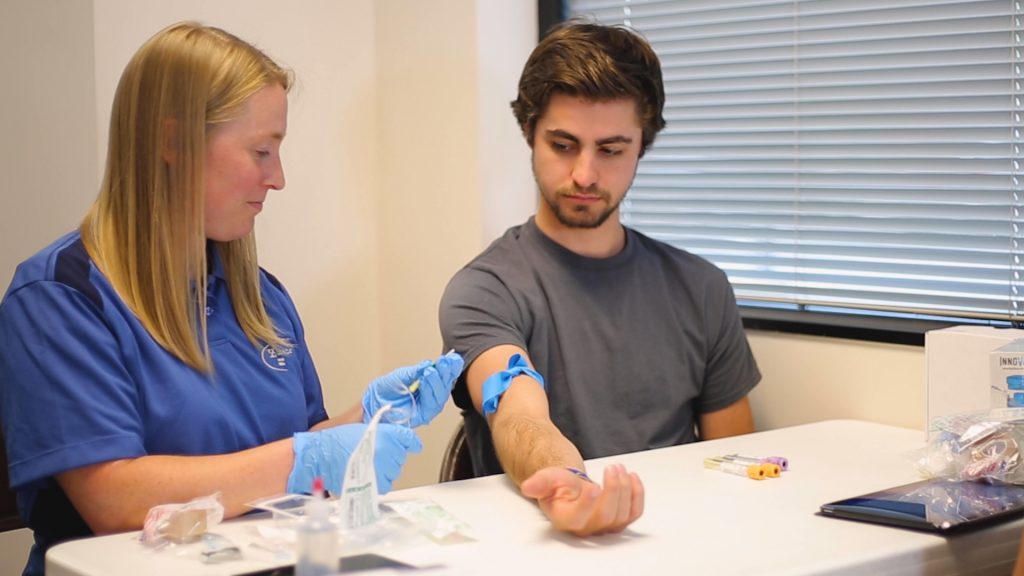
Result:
{"points": [[783, 463], [771, 470], [755, 471]]}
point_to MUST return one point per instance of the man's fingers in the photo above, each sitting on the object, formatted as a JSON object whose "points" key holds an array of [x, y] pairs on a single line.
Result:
{"points": [[616, 502], [637, 508], [584, 508], [624, 499], [604, 516]]}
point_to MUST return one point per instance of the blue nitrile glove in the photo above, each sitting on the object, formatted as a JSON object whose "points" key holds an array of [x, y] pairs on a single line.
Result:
{"points": [[325, 453], [426, 402]]}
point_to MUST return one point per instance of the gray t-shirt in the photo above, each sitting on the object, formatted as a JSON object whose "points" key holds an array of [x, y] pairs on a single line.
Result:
{"points": [[632, 347]]}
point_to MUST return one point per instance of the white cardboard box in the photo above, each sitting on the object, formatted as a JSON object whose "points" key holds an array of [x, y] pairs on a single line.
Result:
{"points": [[958, 368], [1006, 370]]}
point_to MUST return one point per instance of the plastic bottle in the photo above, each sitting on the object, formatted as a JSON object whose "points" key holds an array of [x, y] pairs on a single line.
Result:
{"points": [[316, 537]]}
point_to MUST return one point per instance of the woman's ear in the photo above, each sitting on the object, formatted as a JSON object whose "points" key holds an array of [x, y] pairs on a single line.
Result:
{"points": [[169, 140]]}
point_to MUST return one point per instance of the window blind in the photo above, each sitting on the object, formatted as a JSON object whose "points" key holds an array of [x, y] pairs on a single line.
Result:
{"points": [[839, 154]]}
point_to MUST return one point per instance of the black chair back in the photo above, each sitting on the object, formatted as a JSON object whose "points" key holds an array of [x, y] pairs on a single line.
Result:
{"points": [[457, 463]]}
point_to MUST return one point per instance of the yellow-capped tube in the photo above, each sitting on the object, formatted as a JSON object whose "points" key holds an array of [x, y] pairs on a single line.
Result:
{"points": [[753, 471]]}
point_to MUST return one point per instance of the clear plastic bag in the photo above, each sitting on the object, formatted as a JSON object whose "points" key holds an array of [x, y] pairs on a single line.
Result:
{"points": [[976, 446], [182, 523]]}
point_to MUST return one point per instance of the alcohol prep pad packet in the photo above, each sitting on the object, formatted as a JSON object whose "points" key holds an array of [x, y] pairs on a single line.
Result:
{"points": [[432, 520]]}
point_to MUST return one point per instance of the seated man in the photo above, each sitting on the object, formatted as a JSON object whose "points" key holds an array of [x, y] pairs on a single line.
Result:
{"points": [[584, 338]]}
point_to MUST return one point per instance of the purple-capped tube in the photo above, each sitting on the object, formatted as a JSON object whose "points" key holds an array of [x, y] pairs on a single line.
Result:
{"points": [[783, 463]]}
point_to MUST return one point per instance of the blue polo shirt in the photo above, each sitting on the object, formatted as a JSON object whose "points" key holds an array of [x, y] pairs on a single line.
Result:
{"points": [[82, 382]]}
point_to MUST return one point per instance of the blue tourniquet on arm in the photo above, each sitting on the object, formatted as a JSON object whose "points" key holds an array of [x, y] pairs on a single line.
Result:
{"points": [[499, 382]]}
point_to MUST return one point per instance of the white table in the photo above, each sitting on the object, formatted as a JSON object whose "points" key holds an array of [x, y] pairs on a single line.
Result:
{"points": [[697, 521]]}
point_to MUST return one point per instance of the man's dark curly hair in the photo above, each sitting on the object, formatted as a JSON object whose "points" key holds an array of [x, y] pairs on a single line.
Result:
{"points": [[597, 63]]}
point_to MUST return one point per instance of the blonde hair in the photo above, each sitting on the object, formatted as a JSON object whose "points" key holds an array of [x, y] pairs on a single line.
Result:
{"points": [[145, 230]]}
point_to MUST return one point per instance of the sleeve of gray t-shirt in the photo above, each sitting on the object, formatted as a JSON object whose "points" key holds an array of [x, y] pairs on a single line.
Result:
{"points": [[731, 369], [477, 313]]}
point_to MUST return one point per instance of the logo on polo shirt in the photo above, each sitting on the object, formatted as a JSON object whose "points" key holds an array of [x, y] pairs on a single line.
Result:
{"points": [[276, 358]]}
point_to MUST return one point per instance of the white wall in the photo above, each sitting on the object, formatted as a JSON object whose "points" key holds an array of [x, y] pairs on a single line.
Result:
{"points": [[438, 63], [808, 378], [402, 161], [47, 152]]}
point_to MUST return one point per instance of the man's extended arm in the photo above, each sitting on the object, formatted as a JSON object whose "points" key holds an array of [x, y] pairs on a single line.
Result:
{"points": [[538, 457], [525, 438]]}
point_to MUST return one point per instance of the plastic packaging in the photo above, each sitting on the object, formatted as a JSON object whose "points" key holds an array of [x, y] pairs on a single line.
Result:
{"points": [[316, 537], [976, 446], [217, 548], [429, 518], [181, 523]]}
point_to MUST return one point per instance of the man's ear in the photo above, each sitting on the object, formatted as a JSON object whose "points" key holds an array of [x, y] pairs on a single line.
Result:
{"points": [[169, 140]]}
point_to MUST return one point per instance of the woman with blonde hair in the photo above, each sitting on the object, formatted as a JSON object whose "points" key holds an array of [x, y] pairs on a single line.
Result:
{"points": [[147, 358]]}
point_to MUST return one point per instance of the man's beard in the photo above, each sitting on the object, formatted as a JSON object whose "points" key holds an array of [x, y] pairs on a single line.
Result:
{"points": [[580, 216]]}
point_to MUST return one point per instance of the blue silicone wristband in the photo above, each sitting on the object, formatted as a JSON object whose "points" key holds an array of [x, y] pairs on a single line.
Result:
{"points": [[499, 382]]}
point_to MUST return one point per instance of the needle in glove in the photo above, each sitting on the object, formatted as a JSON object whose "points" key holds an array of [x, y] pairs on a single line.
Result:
{"points": [[419, 404]]}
